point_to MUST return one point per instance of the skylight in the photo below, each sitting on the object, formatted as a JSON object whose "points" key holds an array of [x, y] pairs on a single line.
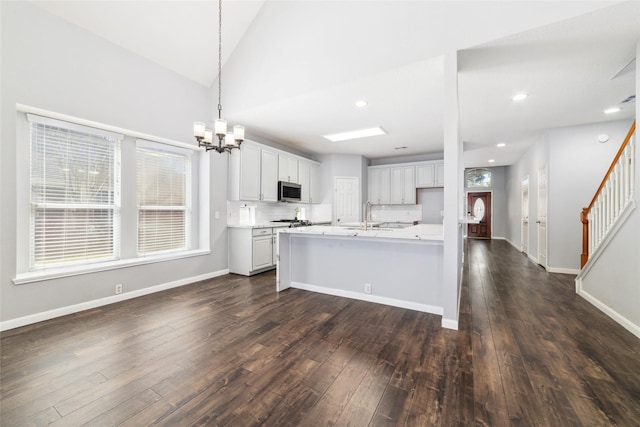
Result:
{"points": [[354, 134]]}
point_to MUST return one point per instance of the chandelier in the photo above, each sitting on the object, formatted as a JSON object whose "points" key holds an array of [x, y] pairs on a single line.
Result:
{"points": [[226, 140]]}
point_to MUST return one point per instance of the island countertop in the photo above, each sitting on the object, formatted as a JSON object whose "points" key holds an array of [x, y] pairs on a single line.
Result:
{"points": [[416, 232]]}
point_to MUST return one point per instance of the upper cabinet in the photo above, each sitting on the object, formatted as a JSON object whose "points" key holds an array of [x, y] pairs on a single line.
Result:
{"points": [[439, 174], [288, 168], [269, 176], [396, 184], [255, 169], [430, 175], [380, 185], [304, 171], [403, 185], [253, 174], [315, 195]]}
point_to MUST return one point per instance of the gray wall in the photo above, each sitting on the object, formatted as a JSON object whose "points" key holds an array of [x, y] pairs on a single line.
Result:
{"points": [[62, 68], [498, 191], [576, 163]]}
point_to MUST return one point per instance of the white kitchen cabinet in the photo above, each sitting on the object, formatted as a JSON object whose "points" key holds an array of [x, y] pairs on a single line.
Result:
{"points": [[253, 174], [315, 195], [304, 175], [403, 185], [288, 168], [269, 176], [429, 175], [425, 175], [252, 250], [380, 186], [262, 252], [250, 173], [439, 175]]}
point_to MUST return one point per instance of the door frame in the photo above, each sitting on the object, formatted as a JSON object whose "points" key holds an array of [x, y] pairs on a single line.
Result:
{"points": [[525, 179], [546, 209], [467, 207], [335, 204]]}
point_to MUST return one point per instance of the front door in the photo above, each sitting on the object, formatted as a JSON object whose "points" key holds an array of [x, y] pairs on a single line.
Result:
{"points": [[479, 206]]}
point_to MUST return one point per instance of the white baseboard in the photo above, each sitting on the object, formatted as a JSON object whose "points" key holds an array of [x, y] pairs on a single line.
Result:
{"points": [[63, 311], [369, 298], [563, 270], [620, 319], [533, 259], [449, 324]]}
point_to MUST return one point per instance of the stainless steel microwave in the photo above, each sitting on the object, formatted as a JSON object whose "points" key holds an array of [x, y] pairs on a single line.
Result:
{"points": [[289, 191]]}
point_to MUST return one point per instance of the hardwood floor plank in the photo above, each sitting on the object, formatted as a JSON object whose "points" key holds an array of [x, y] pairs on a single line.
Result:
{"points": [[232, 351]]}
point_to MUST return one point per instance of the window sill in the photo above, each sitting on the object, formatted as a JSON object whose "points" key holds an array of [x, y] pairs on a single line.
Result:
{"points": [[38, 276]]}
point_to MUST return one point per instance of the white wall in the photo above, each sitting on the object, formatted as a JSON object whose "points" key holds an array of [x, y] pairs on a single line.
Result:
{"points": [[62, 68], [576, 163]]}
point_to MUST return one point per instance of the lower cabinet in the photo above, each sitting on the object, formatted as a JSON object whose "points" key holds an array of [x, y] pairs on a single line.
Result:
{"points": [[252, 250]]}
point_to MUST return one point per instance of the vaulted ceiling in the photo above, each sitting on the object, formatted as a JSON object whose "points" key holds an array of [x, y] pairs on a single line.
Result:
{"points": [[294, 69]]}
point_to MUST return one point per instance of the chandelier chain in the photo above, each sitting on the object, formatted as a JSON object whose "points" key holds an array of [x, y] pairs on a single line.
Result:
{"points": [[219, 59]]}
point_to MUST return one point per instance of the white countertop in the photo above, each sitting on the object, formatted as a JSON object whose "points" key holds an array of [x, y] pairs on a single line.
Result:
{"points": [[267, 225], [259, 225], [416, 232]]}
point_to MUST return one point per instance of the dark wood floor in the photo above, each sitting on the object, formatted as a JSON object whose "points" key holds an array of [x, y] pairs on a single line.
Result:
{"points": [[230, 351]]}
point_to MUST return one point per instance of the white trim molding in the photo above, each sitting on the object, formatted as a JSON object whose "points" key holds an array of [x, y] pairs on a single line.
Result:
{"points": [[617, 317], [425, 308], [76, 308]]}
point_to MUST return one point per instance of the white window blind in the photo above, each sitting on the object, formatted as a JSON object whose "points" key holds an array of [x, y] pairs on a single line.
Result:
{"points": [[75, 194], [163, 194]]}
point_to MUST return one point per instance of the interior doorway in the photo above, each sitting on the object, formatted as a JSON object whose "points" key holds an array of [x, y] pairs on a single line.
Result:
{"points": [[525, 215], [346, 200], [479, 205], [542, 216]]}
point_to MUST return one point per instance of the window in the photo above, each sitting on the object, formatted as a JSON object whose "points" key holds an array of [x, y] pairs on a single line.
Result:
{"points": [[94, 197], [478, 178], [163, 198], [75, 194]]}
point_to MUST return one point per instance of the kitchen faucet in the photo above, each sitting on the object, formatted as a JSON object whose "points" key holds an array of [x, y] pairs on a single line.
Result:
{"points": [[367, 214]]}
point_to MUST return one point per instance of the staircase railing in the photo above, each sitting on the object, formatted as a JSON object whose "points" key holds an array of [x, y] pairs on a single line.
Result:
{"points": [[613, 195]]}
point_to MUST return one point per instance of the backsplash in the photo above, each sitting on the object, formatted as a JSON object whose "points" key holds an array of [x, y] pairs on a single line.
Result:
{"points": [[396, 213], [266, 212]]}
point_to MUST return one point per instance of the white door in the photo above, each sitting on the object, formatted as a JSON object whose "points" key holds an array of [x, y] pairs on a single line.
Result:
{"points": [[346, 201], [542, 216], [525, 215]]}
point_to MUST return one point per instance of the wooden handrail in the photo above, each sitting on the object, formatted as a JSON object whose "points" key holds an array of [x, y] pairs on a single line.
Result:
{"points": [[613, 164], [584, 215]]}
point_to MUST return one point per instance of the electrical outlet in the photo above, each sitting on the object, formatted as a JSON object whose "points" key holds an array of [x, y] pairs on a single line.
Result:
{"points": [[118, 288], [216, 215], [367, 288]]}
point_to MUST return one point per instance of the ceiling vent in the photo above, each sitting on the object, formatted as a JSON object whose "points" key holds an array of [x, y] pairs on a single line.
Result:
{"points": [[631, 98]]}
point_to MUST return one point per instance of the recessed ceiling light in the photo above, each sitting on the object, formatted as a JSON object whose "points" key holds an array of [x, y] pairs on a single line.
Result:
{"points": [[492, 161], [500, 145], [519, 96], [354, 134], [361, 103], [612, 110]]}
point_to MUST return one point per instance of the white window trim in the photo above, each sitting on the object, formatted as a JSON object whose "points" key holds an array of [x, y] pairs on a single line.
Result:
{"points": [[23, 156]]}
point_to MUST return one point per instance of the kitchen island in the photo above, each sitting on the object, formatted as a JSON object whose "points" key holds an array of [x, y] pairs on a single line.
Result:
{"points": [[398, 267]]}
